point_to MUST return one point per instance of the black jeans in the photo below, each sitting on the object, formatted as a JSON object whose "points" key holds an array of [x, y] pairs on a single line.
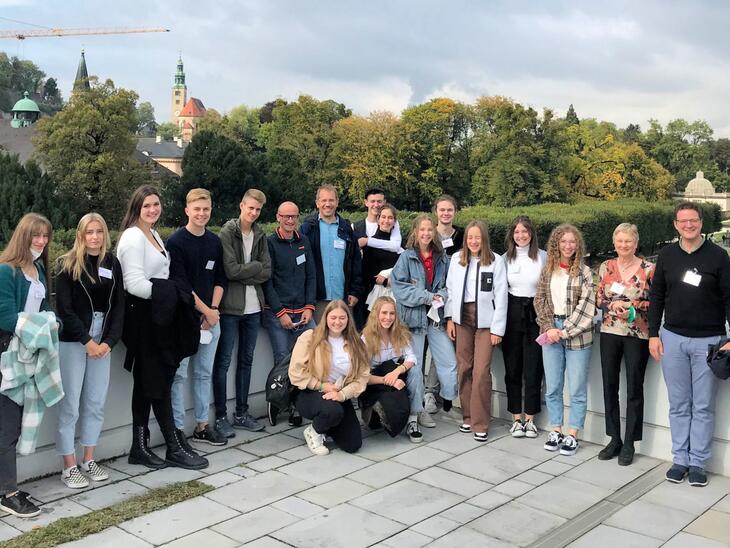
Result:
{"points": [[162, 407], [522, 357], [336, 419], [635, 353], [10, 416]]}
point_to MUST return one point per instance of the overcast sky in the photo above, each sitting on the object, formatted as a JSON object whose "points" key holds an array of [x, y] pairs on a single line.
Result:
{"points": [[619, 61]]}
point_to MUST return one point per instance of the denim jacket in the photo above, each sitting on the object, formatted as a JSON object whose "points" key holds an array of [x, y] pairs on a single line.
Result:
{"points": [[412, 296]]}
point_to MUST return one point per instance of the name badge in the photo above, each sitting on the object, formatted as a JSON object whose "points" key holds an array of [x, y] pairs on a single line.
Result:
{"points": [[105, 273], [692, 278], [206, 337], [448, 242], [339, 244], [301, 259], [209, 265], [617, 288]]}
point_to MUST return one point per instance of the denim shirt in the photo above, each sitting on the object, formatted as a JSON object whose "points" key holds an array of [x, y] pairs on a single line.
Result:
{"points": [[332, 248]]}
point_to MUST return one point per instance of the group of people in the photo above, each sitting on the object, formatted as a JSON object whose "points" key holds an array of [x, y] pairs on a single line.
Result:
{"points": [[352, 308]]}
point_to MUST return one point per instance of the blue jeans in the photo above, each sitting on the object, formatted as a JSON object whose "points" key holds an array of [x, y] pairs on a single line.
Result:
{"points": [[246, 329], [282, 340], [691, 387], [85, 383], [444, 358], [556, 359], [202, 364]]}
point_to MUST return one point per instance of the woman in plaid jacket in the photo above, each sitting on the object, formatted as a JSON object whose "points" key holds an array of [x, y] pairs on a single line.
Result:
{"points": [[565, 304]]}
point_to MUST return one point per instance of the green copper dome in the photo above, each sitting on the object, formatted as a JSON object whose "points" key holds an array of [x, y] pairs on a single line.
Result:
{"points": [[25, 112], [26, 105]]}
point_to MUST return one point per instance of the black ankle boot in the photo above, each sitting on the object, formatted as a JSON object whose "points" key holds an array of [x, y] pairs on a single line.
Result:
{"points": [[183, 440], [626, 456], [611, 450], [140, 453], [178, 455]]}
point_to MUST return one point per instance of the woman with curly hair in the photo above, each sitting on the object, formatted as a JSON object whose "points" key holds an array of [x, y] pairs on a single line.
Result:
{"points": [[565, 304]]}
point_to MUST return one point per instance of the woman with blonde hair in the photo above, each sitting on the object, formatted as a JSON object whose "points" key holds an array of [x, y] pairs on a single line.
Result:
{"points": [[395, 382], [565, 304], [90, 305], [476, 311], [329, 366], [23, 288]]}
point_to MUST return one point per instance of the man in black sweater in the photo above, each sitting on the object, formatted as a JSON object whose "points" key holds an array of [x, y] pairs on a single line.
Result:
{"points": [[691, 288]]}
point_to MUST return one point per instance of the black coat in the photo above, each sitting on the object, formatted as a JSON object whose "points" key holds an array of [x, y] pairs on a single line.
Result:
{"points": [[158, 333]]}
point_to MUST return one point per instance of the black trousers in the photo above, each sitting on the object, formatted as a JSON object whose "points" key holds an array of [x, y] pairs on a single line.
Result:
{"points": [[162, 408], [10, 416], [336, 419], [635, 353], [522, 357]]}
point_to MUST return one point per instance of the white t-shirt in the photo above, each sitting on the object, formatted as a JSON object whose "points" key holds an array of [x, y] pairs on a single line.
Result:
{"points": [[387, 352], [252, 299], [471, 280], [36, 294], [340, 361], [559, 291]]}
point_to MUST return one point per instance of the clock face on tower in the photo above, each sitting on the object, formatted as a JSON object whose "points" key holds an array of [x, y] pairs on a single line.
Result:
{"points": [[177, 113]]}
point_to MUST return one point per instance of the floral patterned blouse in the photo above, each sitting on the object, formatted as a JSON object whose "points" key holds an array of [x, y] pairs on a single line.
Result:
{"points": [[635, 291]]}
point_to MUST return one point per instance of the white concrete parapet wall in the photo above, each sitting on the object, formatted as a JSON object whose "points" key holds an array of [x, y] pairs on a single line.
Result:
{"points": [[116, 436]]}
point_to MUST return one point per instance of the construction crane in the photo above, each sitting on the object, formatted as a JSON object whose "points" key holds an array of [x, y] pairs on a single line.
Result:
{"points": [[42, 33]]}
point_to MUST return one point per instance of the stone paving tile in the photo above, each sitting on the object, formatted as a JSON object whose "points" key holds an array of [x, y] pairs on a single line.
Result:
{"points": [[407, 501], [7, 532], [297, 507], [109, 494], [346, 526], [325, 468], [507, 523], [489, 500], [456, 444], [243, 471], [526, 447], [228, 458], [463, 513], [383, 447], [220, 479], [685, 497], [490, 465], [271, 445], [383, 473], [407, 539], [335, 492], [723, 505], [204, 537], [178, 520], [553, 467], [451, 481], [297, 453], [564, 497], [167, 476], [265, 542], [570, 461], [435, 526], [650, 519], [258, 491], [120, 464], [533, 477], [255, 524], [243, 437], [685, 540], [609, 474], [50, 512], [423, 457], [587, 451], [268, 463], [713, 525], [513, 488], [109, 537], [52, 488], [467, 537], [604, 536]]}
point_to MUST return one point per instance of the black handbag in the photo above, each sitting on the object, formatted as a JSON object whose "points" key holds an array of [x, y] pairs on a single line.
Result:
{"points": [[279, 388], [719, 360]]}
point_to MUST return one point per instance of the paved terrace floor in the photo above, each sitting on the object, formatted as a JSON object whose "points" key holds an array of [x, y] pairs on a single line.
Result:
{"points": [[447, 491]]}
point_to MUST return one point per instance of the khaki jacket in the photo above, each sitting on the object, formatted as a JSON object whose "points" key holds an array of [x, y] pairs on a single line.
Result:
{"points": [[305, 375]]}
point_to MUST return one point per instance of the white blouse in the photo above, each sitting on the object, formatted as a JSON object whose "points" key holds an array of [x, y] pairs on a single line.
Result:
{"points": [[141, 261], [523, 273]]}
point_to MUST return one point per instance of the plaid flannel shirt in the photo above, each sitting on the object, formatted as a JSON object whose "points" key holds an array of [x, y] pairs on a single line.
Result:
{"points": [[580, 308], [30, 373]]}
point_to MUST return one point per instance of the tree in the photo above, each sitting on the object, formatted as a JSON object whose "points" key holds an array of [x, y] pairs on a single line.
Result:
{"points": [[87, 149], [571, 117], [146, 124], [168, 131], [25, 76]]}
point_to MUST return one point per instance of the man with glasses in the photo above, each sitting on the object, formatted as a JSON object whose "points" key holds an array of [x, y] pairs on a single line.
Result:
{"points": [[291, 291], [691, 289]]}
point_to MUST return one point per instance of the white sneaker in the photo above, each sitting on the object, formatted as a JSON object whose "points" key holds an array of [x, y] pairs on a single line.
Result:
{"points": [[315, 441], [517, 430], [73, 478], [93, 471], [429, 403], [413, 432], [424, 419], [530, 429]]}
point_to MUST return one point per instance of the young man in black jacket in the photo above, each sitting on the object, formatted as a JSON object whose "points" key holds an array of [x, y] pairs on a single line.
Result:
{"points": [[691, 289]]}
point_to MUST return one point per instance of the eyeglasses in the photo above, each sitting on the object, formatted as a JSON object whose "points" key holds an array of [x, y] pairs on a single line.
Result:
{"points": [[288, 217], [688, 221]]}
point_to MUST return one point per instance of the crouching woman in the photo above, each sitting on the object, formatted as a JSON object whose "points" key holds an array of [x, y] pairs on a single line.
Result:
{"points": [[330, 368]]}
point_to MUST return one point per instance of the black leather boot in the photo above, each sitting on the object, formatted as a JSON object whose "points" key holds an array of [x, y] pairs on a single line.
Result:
{"points": [[140, 453], [178, 455], [183, 440]]}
